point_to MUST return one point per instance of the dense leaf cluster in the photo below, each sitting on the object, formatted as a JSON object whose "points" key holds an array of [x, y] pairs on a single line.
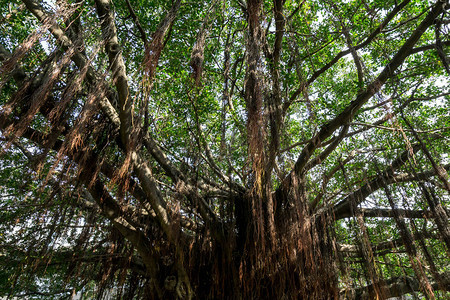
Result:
{"points": [[224, 149]]}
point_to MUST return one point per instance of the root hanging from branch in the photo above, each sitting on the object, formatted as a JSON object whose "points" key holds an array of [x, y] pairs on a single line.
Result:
{"points": [[198, 51]]}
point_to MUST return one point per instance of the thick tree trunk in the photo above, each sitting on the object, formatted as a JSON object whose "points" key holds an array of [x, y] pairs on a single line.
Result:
{"points": [[300, 266]]}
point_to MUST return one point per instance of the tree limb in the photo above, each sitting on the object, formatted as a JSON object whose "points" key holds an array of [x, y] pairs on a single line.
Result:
{"points": [[396, 287], [343, 208], [349, 112]]}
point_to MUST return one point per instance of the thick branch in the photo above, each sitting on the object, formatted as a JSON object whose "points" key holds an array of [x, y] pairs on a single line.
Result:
{"points": [[348, 113], [325, 153], [343, 208], [117, 67], [137, 238], [396, 287], [94, 79], [369, 39], [389, 213], [384, 245]]}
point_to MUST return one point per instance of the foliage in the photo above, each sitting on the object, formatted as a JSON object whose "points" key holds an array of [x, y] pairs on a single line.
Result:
{"points": [[224, 149]]}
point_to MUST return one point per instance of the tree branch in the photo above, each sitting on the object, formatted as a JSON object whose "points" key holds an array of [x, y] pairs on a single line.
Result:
{"points": [[396, 287], [383, 245], [369, 39], [117, 68], [345, 116], [389, 213], [343, 208], [137, 23]]}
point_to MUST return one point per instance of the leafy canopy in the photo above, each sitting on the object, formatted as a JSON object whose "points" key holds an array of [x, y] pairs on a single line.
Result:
{"points": [[224, 149]]}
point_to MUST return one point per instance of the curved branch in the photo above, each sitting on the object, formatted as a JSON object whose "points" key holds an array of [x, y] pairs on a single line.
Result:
{"points": [[343, 208], [372, 36], [118, 69], [137, 238], [322, 156], [428, 47], [395, 287], [387, 245], [137, 23], [94, 79], [349, 112]]}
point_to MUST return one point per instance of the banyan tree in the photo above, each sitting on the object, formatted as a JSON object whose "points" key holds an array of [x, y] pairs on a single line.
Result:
{"points": [[224, 149]]}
